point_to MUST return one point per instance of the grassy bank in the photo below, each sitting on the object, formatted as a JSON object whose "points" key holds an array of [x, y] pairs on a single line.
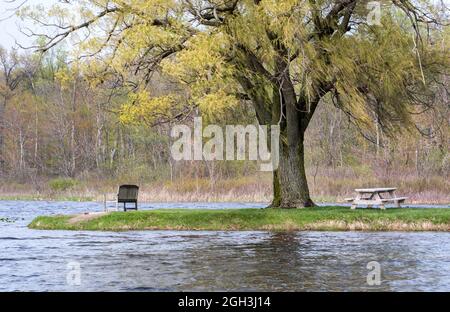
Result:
{"points": [[323, 219]]}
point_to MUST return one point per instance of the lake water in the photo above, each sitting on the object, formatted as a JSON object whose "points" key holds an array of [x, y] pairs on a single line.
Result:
{"points": [[33, 260]]}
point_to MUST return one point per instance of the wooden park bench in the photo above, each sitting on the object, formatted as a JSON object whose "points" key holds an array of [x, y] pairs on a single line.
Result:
{"points": [[376, 197], [126, 194]]}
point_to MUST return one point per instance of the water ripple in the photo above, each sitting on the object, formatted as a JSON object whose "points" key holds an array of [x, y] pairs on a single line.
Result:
{"points": [[33, 260]]}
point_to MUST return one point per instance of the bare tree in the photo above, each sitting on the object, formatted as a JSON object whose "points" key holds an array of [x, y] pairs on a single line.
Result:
{"points": [[11, 75]]}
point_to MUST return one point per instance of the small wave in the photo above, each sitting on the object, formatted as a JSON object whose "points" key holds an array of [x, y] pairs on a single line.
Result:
{"points": [[144, 288]]}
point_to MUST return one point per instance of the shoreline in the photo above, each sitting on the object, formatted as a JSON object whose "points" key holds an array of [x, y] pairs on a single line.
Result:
{"points": [[320, 201], [330, 218]]}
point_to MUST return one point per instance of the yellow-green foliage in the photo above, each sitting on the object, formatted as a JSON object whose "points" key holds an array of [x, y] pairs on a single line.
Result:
{"points": [[142, 108], [203, 68], [213, 56]]}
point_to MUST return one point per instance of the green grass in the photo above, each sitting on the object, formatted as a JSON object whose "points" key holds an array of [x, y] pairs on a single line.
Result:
{"points": [[321, 218]]}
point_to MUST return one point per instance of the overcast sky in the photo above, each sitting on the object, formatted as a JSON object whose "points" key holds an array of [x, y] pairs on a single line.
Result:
{"points": [[8, 28], [10, 23]]}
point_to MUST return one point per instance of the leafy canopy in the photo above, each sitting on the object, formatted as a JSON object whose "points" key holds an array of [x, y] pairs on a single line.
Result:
{"points": [[225, 52]]}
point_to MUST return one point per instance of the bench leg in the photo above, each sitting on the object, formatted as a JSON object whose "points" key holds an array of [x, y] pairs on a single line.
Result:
{"points": [[382, 207], [397, 204], [353, 206]]}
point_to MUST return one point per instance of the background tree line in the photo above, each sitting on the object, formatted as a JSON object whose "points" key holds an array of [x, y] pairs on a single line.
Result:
{"points": [[59, 131]]}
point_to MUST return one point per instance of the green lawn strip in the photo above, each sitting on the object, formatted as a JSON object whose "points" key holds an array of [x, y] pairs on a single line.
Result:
{"points": [[319, 218]]}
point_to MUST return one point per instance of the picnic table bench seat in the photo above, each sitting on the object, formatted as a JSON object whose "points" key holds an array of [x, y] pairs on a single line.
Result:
{"points": [[375, 197], [395, 199]]}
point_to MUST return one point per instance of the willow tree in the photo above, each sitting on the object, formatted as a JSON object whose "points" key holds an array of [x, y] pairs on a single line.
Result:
{"points": [[284, 57]]}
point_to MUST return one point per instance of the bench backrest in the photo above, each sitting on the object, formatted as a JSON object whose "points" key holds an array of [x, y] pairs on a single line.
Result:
{"points": [[128, 193]]}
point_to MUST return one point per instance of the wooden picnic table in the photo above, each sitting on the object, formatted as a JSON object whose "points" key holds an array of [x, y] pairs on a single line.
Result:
{"points": [[376, 197]]}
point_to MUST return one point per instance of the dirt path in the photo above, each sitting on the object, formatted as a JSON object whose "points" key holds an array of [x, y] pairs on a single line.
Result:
{"points": [[86, 217]]}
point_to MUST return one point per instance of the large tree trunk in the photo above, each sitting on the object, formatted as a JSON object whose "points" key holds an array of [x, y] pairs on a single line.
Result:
{"points": [[293, 186], [290, 184], [290, 187], [292, 190]]}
